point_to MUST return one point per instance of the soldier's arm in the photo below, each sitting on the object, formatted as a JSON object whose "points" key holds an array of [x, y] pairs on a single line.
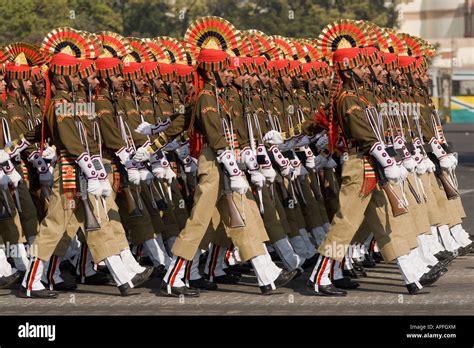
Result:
{"points": [[207, 114], [360, 130], [66, 130], [111, 136]]}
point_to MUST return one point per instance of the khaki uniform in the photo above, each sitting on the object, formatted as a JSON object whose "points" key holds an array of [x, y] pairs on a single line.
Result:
{"points": [[209, 191]]}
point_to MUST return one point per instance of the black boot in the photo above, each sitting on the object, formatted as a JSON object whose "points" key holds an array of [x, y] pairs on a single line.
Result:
{"points": [[284, 278], [345, 283], [326, 290], [46, 294], [202, 284]]}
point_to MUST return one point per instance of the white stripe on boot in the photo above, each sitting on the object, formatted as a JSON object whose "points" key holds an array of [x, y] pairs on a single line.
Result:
{"points": [[322, 268], [32, 279]]}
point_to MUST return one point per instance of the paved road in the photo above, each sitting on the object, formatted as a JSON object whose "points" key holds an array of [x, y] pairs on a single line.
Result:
{"points": [[382, 292]]}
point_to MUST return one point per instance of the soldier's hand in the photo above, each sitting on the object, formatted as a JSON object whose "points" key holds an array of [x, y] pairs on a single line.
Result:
{"points": [[14, 177], [320, 162], [169, 174], [257, 178], [393, 173], [106, 187], [133, 176], [330, 163], [94, 187], [146, 176], [273, 137], [4, 156], [239, 184], [141, 155], [269, 173], [49, 154], [410, 164]]}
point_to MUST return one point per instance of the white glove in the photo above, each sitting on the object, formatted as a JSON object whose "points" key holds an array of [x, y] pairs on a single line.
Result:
{"points": [[430, 166], [269, 173], [273, 137], [302, 141], [141, 155], [183, 151], [330, 163], [403, 172], [134, 176], [310, 162], [239, 184], [257, 178], [322, 142], [102, 176], [454, 159], [172, 146], [393, 172], [4, 156], [145, 176], [49, 154], [12, 174], [158, 170], [169, 174], [190, 165], [87, 167], [409, 164], [421, 167], [151, 129], [4, 180], [447, 163], [94, 187], [320, 162]]}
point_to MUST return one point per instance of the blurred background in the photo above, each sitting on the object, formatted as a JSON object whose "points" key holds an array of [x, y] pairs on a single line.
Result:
{"points": [[449, 24]]}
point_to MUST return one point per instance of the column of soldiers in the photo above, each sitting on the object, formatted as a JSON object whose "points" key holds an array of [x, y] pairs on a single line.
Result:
{"points": [[228, 151]]}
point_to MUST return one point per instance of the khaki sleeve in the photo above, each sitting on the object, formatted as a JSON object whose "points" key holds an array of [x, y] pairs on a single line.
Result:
{"points": [[210, 120], [111, 137], [66, 129], [357, 123]]}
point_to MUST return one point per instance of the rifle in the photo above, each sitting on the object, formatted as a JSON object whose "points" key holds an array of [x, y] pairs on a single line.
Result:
{"points": [[91, 223], [236, 219], [5, 210], [449, 189], [132, 207], [398, 208]]}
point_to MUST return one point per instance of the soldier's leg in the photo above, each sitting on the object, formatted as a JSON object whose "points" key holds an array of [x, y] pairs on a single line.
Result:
{"points": [[28, 215], [189, 239]]}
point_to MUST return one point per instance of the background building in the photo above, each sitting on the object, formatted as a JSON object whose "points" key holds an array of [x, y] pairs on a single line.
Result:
{"points": [[450, 25]]}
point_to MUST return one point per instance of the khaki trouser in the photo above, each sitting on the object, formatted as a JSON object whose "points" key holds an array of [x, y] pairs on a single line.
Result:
{"points": [[449, 212], [209, 194], [271, 218], [418, 211], [311, 210], [28, 216], [293, 212], [431, 204], [351, 214], [10, 228], [62, 219]]}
